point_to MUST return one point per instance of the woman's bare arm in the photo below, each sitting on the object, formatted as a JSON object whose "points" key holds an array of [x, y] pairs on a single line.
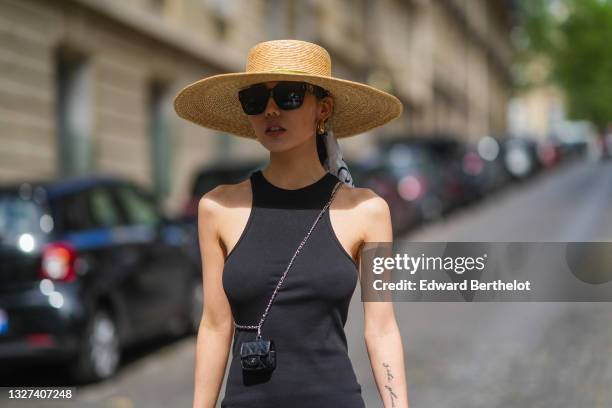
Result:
{"points": [[382, 335], [216, 327]]}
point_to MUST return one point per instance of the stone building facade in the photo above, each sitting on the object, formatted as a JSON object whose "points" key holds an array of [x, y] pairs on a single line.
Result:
{"points": [[87, 85]]}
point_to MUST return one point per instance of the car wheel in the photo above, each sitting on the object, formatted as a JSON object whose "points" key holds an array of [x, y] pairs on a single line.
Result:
{"points": [[99, 354]]}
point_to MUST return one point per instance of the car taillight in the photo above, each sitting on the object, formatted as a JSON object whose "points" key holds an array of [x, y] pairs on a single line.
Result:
{"points": [[547, 155], [472, 164], [411, 188], [58, 262]]}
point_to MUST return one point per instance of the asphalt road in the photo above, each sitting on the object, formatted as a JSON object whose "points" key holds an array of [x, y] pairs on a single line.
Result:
{"points": [[457, 354]]}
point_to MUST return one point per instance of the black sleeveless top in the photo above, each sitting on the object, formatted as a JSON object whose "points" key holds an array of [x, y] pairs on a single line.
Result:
{"points": [[307, 317]]}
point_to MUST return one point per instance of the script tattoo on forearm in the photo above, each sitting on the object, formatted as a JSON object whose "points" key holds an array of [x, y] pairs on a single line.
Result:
{"points": [[388, 387]]}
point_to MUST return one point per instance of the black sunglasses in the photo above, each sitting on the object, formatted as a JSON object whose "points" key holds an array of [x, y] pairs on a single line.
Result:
{"points": [[288, 95]]}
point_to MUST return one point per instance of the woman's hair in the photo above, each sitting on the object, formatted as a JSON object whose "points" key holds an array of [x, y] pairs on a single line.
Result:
{"points": [[321, 149]]}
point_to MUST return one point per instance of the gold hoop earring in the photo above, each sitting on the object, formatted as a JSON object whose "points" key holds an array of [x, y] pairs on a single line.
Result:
{"points": [[320, 127]]}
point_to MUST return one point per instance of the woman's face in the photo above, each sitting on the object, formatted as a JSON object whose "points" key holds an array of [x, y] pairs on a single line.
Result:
{"points": [[299, 124]]}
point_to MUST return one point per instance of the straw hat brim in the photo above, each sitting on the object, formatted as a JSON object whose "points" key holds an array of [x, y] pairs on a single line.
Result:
{"points": [[213, 102]]}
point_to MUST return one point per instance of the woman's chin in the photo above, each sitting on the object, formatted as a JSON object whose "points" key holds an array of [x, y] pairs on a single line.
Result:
{"points": [[280, 144], [276, 144]]}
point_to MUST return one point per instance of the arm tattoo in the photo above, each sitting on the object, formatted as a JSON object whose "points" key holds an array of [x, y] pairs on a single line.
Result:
{"points": [[389, 378], [389, 375]]}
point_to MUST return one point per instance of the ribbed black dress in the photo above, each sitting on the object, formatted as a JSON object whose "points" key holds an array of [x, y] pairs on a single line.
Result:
{"points": [[306, 320]]}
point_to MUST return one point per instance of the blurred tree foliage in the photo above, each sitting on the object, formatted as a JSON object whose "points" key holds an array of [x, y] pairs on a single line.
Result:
{"points": [[569, 42]]}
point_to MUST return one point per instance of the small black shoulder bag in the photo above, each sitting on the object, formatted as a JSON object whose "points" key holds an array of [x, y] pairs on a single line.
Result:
{"points": [[260, 354]]}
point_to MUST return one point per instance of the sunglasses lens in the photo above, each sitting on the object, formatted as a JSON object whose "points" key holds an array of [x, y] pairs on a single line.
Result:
{"points": [[254, 99], [289, 95]]}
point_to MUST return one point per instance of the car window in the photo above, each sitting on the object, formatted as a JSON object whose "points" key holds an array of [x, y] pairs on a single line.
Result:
{"points": [[103, 209], [74, 212], [138, 209]]}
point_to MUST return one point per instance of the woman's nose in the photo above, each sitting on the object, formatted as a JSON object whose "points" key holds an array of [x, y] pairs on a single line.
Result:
{"points": [[271, 107]]}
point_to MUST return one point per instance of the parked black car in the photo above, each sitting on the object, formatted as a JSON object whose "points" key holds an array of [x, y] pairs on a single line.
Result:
{"points": [[521, 157], [429, 173], [458, 187], [90, 265], [483, 166]]}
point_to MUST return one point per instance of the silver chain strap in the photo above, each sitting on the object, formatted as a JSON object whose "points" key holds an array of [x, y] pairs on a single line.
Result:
{"points": [[280, 282]]}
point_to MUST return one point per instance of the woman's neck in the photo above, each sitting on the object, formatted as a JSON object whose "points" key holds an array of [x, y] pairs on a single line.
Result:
{"points": [[293, 175]]}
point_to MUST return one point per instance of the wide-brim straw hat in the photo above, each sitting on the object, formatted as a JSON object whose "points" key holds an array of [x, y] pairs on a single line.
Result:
{"points": [[213, 102]]}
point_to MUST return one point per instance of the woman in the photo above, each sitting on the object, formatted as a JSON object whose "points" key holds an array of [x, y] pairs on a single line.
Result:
{"points": [[288, 101]]}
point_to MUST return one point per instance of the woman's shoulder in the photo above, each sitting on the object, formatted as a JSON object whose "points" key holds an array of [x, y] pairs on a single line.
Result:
{"points": [[226, 196], [369, 212], [363, 200]]}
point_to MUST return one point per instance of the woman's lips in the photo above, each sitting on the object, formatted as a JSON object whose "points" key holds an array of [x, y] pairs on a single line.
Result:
{"points": [[275, 132]]}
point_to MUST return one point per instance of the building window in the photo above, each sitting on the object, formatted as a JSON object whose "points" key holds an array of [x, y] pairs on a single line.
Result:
{"points": [[159, 111], [220, 11], [73, 112]]}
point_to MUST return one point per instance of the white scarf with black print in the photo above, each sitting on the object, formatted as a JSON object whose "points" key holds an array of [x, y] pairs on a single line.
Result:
{"points": [[335, 163]]}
